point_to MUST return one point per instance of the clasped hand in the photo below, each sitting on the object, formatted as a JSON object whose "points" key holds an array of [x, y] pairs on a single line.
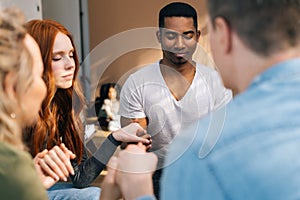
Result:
{"points": [[54, 165], [130, 174], [132, 134]]}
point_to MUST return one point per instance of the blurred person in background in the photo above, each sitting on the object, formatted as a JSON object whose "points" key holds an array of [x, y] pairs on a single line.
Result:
{"points": [[22, 91]]}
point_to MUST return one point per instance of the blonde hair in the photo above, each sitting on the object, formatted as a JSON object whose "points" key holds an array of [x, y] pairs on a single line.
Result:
{"points": [[15, 58]]}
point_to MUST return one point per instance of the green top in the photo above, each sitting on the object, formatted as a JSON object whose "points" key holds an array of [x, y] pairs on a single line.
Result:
{"points": [[18, 177]]}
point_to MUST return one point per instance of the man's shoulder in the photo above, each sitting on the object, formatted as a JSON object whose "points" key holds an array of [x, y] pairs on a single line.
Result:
{"points": [[145, 73]]}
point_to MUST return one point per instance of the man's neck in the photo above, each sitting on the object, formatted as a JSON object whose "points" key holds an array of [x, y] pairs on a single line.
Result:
{"points": [[178, 78], [184, 69]]}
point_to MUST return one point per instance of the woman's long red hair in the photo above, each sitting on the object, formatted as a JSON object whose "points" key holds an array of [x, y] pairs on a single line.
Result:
{"points": [[60, 116]]}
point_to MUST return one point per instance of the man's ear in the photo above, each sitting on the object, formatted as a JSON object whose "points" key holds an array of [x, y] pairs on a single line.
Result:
{"points": [[198, 35], [224, 34], [10, 85], [158, 36]]}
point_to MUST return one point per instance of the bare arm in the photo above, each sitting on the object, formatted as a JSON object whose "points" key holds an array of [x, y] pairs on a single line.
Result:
{"points": [[141, 121]]}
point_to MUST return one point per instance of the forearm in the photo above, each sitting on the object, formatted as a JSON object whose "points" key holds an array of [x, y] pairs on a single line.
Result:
{"points": [[86, 172], [90, 168], [143, 190], [141, 121]]}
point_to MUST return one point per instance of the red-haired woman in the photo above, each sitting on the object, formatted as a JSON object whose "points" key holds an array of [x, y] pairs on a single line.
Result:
{"points": [[60, 119]]}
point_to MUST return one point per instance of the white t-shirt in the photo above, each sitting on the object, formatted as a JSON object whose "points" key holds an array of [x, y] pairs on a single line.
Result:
{"points": [[145, 94]]}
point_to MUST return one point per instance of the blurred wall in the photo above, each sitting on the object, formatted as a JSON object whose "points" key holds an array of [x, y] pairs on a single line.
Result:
{"points": [[67, 13], [73, 15], [122, 37], [31, 8]]}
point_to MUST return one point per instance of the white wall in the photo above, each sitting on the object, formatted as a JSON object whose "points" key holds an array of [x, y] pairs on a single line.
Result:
{"points": [[31, 8], [67, 12]]}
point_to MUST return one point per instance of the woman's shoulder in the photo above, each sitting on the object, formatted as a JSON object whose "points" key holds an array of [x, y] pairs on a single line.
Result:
{"points": [[19, 175], [12, 154], [14, 160]]}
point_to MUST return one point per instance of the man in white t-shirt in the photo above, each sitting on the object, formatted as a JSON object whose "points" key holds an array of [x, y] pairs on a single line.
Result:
{"points": [[175, 90]]}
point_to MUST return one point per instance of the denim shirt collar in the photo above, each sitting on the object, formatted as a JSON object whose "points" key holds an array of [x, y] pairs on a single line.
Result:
{"points": [[285, 70]]}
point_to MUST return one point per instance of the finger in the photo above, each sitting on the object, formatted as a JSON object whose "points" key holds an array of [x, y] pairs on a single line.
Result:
{"points": [[63, 160], [66, 159], [58, 161], [132, 128], [72, 155], [148, 147], [148, 138], [48, 170], [144, 138], [141, 132], [67, 151], [42, 154], [55, 167]]}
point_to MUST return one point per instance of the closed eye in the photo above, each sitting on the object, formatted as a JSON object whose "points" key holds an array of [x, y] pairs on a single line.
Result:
{"points": [[56, 59]]}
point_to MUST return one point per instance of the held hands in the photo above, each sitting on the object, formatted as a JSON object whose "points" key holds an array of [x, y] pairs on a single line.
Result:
{"points": [[130, 174], [54, 165], [132, 133]]}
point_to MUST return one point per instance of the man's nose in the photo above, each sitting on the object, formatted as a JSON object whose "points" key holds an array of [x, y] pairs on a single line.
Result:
{"points": [[179, 44]]}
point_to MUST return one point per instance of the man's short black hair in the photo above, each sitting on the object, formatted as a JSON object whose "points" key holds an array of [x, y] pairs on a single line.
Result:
{"points": [[177, 9]]}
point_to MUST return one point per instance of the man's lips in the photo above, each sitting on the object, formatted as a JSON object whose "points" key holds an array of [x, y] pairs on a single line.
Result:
{"points": [[180, 54]]}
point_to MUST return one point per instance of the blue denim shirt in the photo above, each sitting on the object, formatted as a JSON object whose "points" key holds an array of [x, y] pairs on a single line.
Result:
{"points": [[247, 150]]}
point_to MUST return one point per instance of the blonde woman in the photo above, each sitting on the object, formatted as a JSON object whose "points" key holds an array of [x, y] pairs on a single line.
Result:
{"points": [[22, 91]]}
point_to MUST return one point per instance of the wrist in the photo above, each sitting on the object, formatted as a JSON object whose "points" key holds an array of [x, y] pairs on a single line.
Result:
{"points": [[112, 138]]}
